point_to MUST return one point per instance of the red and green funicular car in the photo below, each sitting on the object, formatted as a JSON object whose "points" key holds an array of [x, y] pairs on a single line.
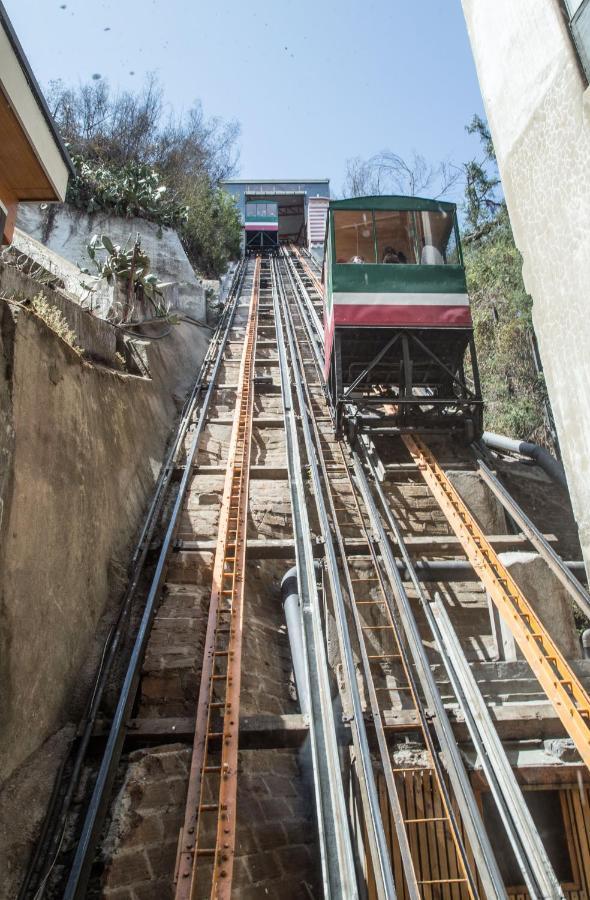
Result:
{"points": [[399, 349]]}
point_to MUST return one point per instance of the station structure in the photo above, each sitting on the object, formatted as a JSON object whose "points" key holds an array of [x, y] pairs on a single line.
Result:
{"points": [[302, 206]]}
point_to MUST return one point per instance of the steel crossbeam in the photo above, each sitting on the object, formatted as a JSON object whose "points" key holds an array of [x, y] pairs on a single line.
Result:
{"points": [[207, 840], [560, 683]]}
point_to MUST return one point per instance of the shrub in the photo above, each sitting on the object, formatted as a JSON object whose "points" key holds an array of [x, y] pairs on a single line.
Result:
{"points": [[55, 320]]}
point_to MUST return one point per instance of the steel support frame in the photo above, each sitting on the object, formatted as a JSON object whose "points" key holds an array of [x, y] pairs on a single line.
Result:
{"points": [[337, 859], [223, 642], [373, 822], [91, 829], [480, 846], [560, 683], [525, 840]]}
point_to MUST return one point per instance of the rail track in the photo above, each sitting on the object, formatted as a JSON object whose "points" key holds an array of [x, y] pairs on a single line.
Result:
{"points": [[394, 772]]}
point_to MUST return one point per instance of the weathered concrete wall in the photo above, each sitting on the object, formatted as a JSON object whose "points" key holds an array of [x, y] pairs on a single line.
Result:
{"points": [[67, 231], [538, 109], [81, 447]]}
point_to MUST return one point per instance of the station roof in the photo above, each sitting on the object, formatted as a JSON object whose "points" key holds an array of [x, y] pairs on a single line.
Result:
{"points": [[34, 162], [274, 181], [394, 202]]}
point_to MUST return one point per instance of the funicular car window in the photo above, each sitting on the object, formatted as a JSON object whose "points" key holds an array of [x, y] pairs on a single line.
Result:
{"points": [[250, 209], [396, 236], [353, 236], [437, 242]]}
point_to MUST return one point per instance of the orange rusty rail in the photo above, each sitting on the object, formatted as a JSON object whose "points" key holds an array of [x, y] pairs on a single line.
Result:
{"points": [[560, 683], [207, 840]]}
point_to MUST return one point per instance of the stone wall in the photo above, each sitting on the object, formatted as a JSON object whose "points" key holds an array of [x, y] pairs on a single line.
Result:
{"points": [[81, 447], [538, 107]]}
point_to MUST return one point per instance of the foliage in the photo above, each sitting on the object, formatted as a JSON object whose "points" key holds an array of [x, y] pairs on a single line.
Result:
{"points": [[135, 158], [514, 392], [483, 200], [213, 228], [54, 318], [128, 263], [135, 189]]}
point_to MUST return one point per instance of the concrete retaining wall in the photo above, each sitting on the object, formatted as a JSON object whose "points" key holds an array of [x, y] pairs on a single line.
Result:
{"points": [[67, 231], [80, 450]]}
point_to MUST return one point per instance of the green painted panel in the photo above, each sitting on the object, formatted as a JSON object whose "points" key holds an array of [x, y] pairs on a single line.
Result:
{"points": [[262, 219], [398, 279], [393, 202]]}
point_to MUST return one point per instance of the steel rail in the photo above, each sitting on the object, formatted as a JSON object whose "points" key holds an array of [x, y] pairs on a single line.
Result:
{"points": [[481, 849], [337, 860], [560, 683], [412, 883], [50, 832], [522, 833], [307, 269], [410, 876], [557, 565], [370, 797], [212, 787], [83, 857], [294, 275]]}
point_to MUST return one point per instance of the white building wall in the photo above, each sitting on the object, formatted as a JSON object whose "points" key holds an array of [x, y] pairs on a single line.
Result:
{"points": [[538, 108]]}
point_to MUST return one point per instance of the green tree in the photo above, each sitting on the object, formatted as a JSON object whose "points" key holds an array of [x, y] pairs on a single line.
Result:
{"points": [[514, 391], [135, 159]]}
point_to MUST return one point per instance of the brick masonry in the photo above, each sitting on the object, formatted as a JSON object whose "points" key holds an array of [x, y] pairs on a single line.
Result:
{"points": [[275, 846]]}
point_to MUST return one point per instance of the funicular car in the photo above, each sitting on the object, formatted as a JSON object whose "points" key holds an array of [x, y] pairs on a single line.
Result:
{"points": [[261, 224], [399, 348]]}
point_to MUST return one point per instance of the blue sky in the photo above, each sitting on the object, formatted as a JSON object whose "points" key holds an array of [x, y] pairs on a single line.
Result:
{"points": [[312, 83]]}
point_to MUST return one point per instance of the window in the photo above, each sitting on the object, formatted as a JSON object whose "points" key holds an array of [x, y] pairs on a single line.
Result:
{"points": [[578, 17], [353, 236], [437, 242], [250, 209], [396, 237]]}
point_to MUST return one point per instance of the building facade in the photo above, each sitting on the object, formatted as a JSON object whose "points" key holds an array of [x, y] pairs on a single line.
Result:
{"points": [[532, 59], [293, 198]]}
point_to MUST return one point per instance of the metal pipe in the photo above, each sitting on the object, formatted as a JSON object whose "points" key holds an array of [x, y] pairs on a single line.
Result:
{"points": [[539, 455], [292, 608], [522, 832], [555, 562]]}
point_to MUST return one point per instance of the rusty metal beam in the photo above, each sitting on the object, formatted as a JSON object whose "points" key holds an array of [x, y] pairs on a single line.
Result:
{"points": [[212, 790]]}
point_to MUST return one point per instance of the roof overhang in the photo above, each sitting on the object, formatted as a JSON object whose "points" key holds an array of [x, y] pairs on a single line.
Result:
{"points": [[34, 163], [394, 202]]}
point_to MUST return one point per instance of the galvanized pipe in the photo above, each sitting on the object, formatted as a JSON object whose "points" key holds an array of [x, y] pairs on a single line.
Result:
{"points": [[292, 609], [538, 454]]}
